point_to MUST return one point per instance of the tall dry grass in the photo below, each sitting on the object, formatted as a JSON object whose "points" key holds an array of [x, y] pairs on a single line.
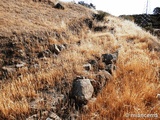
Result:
{"points": [[136, 80]]}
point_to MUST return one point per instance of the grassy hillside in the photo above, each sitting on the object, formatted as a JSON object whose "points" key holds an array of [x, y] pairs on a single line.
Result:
{"points": [[148, 21], [37, 81]]}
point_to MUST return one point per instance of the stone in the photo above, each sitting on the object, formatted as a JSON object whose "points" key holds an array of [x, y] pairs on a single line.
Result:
{"points": [[80, 77], [97, 87], [61, 47], [49, 118], [20, 65], [92, 62], [74, 116], [59, 6], [93, 100], [109, 58], [82, 90], [78, 42], [22, 53], [9, 69], [110, 68], [103, 76], [87, 66], [100, 28], [56, 98], [85, 108], [45, 53], [54, 116], [38, 116], [33, 117], [54, 49], [34, 104], [51, 2], [36, 66]]}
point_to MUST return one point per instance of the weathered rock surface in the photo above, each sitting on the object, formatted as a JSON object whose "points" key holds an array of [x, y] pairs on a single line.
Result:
{"points": [[109, 58], [82, 90], [45, 53], [33, 117], [94, 64], [102, 77], [56, 48], [53, 116], [87, 66], [9, 69], [110, 68], [40, 116], [21, 64]]}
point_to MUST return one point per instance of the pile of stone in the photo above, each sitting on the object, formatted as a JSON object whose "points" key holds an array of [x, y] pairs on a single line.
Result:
{"points": [[52, 49], [83, 88]]}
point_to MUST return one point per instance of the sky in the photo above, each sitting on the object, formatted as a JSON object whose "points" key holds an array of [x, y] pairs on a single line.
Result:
{"points": [[123, 7]]}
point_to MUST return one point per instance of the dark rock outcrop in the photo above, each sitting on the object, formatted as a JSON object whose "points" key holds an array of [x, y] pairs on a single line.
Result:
{"points": [[110, 58]]}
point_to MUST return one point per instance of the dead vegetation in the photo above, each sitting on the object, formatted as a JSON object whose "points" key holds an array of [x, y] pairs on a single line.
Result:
{"points": [[28, 28]]}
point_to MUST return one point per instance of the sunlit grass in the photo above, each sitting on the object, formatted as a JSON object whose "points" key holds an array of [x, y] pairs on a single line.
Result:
{"points": [[135, 83]]}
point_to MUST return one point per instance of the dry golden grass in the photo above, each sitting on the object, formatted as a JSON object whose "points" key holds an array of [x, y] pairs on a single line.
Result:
{"points": [[136, 80], [27, 16]]}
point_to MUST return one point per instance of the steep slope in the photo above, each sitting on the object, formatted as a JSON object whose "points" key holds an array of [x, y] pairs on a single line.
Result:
{"points": [[43, 49]]}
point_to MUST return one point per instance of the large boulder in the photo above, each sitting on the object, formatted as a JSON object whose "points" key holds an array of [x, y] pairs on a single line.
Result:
{"points": [[82, 90]]}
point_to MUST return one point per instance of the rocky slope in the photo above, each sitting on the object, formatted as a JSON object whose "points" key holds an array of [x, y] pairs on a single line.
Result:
{"points": [[148, 22], [65, 61]]}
